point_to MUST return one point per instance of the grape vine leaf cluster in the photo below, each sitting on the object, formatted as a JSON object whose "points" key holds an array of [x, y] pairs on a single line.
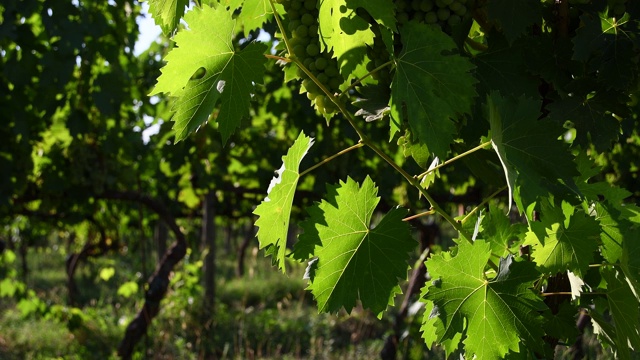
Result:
{"points": [[496, 315], [275, 211], [434, 84], [204, 69], [355, 261]]}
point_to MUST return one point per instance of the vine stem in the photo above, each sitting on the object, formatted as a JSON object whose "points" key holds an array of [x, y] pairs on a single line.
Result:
{"points": [[482, 204], [358, 145], [457, 157], [424, 213], [276, 57], [358, 81], [281, 27]]}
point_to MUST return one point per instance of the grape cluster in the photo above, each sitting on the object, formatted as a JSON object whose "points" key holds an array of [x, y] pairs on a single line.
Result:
{"points": [[445, 13], [305, 43]]}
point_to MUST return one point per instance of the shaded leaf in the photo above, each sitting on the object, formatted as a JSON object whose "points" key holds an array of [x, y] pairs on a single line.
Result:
{"points": [[435, 85]]}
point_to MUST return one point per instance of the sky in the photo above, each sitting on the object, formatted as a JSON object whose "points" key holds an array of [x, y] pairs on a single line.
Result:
{"points": [[149, 31]]}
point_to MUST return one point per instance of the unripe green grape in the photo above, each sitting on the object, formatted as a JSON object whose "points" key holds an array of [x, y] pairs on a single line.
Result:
{"points": [[332, 70], [418, 16], [320, 102], [431, 18], [293, 25], [454, 20], [447, 2], [308, 19], [402, 17], [322, 78], [301, 31], [455, 6], [311, 96], [306, 62], [313, 30], [401, 6], [426, 6], [313, 49], [440, 4], [443, 14], [461, 11], [415, 4], [321, 63], [293, 14]]}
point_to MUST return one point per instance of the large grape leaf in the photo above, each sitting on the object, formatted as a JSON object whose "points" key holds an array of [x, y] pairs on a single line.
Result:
{"points": [[354, 260], [535, 162], [344, 32], [563, 242], [275, 211], [433, 83], [167, 14], [254, 13], [204, 69], [514, 16], [605, 44], [497, 314], [502, 67], [625, 311]]}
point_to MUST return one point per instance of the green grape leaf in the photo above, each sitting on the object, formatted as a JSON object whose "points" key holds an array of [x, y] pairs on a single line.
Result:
{"points": [[353, 260], [514, 16], [591, 118], [433, 84], [564, 242], [500, 233], [275, 211], [432, 325], [502, 67], [167, 14], [205, 69], [418, 151], [533, 160], [607, 48], [611, 233], [496, 315], [254, 13], [383, 11], [624, 309], [562, 325], [344, 32]]}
